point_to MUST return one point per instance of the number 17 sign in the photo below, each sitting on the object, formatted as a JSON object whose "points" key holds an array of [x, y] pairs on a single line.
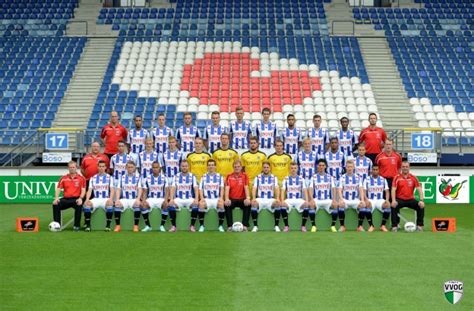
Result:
{"points": [[57, 141]]}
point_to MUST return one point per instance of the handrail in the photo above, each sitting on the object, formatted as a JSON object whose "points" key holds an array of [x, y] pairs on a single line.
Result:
{"points": [[342, 21], [18, 150], [61, 129], [80, 22]]}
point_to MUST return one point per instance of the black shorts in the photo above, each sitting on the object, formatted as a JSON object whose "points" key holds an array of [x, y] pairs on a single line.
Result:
{"points": [[238, 203]]}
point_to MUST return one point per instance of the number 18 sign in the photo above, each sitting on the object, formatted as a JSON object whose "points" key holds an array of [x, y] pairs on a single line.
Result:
{"points": [[420, 141], [57, 141]]}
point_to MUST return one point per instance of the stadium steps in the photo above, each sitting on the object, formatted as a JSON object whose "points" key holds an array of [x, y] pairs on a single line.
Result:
{"points": [[338, 11], [88, 11], [77, 104]]}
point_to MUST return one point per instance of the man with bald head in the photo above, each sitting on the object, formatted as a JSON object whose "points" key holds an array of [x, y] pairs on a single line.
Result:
{"points": [[112, 133], [90, 162]]}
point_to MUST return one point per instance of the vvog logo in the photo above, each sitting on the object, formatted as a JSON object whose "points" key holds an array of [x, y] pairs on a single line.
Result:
{"points": [[453, 291]]}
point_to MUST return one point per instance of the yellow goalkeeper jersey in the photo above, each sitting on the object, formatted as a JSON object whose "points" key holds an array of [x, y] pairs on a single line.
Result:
{"points": [[252, 162], [198, 163], [225, 160], [280, 164]]}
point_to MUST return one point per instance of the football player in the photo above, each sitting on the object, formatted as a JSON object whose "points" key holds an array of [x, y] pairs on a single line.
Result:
{"points": [[266, 131], [363, 165], [280, 162], [136, 138], [293, 195], [171, 159], [319, 136], [292, 137], [211, 192], [252, 160], [266, 195], [306, 160], [146, 158], [186, 134], [376, 187], [128, 192], [225, 156], [198, 159], [213, 132], [161, 134], [118, 162], [155, 194]]}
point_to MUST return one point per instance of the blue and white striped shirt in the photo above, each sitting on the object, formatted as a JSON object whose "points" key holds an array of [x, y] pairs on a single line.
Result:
{"points": [[118, 163], [266, 185], [266, 133], [186, 137], [350, 185], [294, 186], [100, 185], [213, 136], [363, 166], [129, 185], [170, 161], [321, 186], [160, 136], [347, 140], [184, 186], [375, 187], [211, 185], [336, 163], [307, 163], [145, 160], [156, 186], [136, 140], [240, 134], [291, 139], [319, 139]]}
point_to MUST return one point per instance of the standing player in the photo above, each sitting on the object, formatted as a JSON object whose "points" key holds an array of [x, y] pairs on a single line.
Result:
{"points": [[293, 195], [319, 136], [292, 137], [347, 138], [335, 160], [186, 134], [307, 160], [118, 162], [241, 131], [351, 195], [211, 192], [266, 195], [111, 134], [252, 160], [90, 162], [155, 194], [100, 186], [389, 162], [136, 138], [161, 134], [266, 131], [146, 158], [321, 194], [171, 159], [184, 193], [376, 189], [374, 137], [363, 165], [128, 192], [225, 156], [198, 159], [213, 132], [280, 162]]}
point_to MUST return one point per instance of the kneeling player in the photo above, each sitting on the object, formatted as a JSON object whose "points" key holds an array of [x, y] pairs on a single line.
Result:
{"points": [[265, 195], [101, 185], [211, 192], [155, 188], [293, 195], [184, 194], [322, 194], [351, 195], [128, 191], [376, 187]]}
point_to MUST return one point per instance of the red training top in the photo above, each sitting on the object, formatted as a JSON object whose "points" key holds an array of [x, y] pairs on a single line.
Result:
{"points": [[90, 164], [405, 186], [237, 184], [389, 165], [72, 186], [112, 135], [373, 138]]}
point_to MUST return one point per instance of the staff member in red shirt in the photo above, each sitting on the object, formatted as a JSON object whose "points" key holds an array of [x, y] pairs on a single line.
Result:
{"points": [[403, 188], [237, 194], [112, 133], [90, 162], [389, 162], [373, 136], [74, 187]]}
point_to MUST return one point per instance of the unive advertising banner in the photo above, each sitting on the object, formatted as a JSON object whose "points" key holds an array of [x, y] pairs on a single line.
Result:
{"points": [[27, 189]]}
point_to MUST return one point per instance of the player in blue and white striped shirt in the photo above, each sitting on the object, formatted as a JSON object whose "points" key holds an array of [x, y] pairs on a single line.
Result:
{"points": [[128, 193], [146, 158], [363, 164], [376, 197], [321, 194], [101, 185], [319, 136], [160, 134], [347, 138], [335, 159], [266, 195], [293, 194], [211, 192], [241, 131], [136, 138], [306, 160], [266, 131], [292, 137], [351, 195], [213, 132], [118, 162], [171, 159], [155, 194], [186, 134], [184, 193]]}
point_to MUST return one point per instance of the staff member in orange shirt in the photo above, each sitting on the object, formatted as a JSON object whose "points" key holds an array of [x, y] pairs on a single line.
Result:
{"points": [[237, 194], [373, 136], [112, 133], [74, 187], [389, 162], [90, 162], [403, 188]]}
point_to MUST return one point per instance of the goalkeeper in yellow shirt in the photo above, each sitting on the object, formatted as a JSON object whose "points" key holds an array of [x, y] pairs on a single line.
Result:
{"points": [[225, 156], [198, 159], [252, 160], [280, 162]]}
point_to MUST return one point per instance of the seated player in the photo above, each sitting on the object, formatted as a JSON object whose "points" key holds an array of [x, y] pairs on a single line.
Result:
{"points": [[376, 189], [101, 185], [184, 193], [155, 191], [321, 194], [128, 192], [293, 195], [211, 192], [266, 195], [351, 195]]}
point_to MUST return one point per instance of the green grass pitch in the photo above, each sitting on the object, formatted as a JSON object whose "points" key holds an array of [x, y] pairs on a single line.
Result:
{"points": [[213, 271]]}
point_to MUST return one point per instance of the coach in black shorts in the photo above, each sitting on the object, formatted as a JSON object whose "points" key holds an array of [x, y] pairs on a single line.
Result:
{"points": [[237, 194], [74, 187]]}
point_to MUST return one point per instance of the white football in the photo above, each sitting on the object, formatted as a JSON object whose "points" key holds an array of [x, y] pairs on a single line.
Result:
{"points": [[237, 227], [410, 227], [54, 226]]}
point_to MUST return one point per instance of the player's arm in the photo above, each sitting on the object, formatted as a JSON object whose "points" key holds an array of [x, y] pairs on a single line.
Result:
{"points": [[394, 192], [421, 201], [58, 190], [89, 192], [254, 190]]}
